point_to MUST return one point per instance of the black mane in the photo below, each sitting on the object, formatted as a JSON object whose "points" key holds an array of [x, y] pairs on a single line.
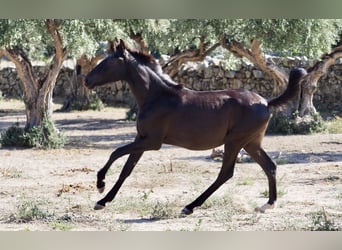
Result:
{"points": [[151, 62]]}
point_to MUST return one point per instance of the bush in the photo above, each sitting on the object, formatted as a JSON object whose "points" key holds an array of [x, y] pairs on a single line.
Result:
{"points": [[93, 102], [131, 114], [280, 124], [29, 211], [44, 136]]}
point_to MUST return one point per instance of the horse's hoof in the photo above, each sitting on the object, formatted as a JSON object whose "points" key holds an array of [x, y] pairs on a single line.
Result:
{"points": [[101, 189], [263, 208], [186, 211], [101, 186], [99, 206]]}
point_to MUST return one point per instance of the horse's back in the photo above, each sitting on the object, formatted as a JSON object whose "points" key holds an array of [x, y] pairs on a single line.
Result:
{"points": [[202, 120]]}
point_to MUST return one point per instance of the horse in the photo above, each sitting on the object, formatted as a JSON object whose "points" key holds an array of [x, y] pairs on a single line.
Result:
{"points": [[170, 113]]}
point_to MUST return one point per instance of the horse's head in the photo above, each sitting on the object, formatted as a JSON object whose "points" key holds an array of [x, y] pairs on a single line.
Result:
{"points": [[111, 69]]}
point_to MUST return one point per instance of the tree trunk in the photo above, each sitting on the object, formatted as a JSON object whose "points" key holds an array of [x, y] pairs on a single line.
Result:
{"points": [[279, 76], [309, 83], [304, 103], [80, 94], [38, 91]]}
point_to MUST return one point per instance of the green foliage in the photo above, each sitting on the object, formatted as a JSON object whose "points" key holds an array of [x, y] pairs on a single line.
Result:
{"points": [[321, 222], [280, 124], [44, 136], [306, 36], [28, 211], [132, 113], [334, 126], [80, 36]]}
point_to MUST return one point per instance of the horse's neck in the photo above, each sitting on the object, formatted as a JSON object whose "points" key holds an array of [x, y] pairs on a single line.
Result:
{"points": [[144, 82]]}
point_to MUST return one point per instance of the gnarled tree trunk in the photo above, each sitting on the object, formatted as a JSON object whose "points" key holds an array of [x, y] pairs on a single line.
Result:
{"points": [[80, 94], [38, 91], [309, 82], [255, 55]]}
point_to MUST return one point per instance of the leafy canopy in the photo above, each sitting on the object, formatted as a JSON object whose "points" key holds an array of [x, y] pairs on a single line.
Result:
{"points": [[310, 37], [80, 36]]}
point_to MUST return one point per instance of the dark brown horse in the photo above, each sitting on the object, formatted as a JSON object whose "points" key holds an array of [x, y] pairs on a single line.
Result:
{"points": [[172, 114]]}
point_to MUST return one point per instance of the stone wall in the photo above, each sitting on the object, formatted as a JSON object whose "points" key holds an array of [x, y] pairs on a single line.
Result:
{"points": [[206, 75]]}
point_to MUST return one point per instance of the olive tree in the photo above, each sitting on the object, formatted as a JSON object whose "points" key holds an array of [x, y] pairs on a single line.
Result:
{"points": [[23, 41]]}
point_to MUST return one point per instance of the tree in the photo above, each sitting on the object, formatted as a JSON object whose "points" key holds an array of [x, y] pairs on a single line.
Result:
{"points": [[25, 40]]}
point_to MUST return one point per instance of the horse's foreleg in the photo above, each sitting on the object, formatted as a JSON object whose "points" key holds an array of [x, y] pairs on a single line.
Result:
{"points": [[135, 150], [101, 174], [269, 167], [225, 174], [126, 171]]}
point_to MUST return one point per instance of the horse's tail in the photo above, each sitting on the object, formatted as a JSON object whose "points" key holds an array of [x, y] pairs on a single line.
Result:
{"points": [[292, 90]]}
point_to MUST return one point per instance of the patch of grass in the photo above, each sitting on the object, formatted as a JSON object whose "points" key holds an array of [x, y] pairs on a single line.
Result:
{"points": [[12, 173], [161, 210], [28, 211], [247, 181], [280, 193], [146, 208], [332, 178], [225, 202], [282, 161], [321, 222], [61, 226], [334, 126]]}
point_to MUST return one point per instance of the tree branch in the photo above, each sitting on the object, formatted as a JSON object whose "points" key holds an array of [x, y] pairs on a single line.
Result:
{"points": [[137, 37], [194, 55], [24, 70], [255, 56], [52, 26]]}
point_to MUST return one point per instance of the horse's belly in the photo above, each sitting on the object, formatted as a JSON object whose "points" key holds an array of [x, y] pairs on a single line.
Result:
{"points": [[196, 139]]}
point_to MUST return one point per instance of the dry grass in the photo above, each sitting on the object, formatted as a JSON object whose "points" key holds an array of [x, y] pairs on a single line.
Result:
{"points": [[55, 189]]}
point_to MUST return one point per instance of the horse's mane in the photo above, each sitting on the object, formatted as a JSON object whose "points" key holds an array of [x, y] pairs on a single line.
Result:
{"points": [[141, 56], [149, 61]]}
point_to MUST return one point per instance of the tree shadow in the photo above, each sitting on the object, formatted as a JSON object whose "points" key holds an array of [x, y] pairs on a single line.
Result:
{"points": [[302, 157], [282, 157], [143, 220], [85, 133]]}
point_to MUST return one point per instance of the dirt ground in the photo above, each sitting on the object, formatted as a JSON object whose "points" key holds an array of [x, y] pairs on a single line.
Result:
{"points": [[55, 189]]}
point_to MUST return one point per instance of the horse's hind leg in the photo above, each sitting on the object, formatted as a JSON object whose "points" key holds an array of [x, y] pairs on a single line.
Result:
{"points": [[227, 170], [269, 167]]}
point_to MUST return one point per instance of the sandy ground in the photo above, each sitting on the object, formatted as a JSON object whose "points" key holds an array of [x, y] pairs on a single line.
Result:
{"points": [[55, 189]]}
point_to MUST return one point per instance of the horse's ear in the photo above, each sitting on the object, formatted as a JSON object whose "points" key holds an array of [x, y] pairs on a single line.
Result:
{"points": [[122, 44], [122, 48]]}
